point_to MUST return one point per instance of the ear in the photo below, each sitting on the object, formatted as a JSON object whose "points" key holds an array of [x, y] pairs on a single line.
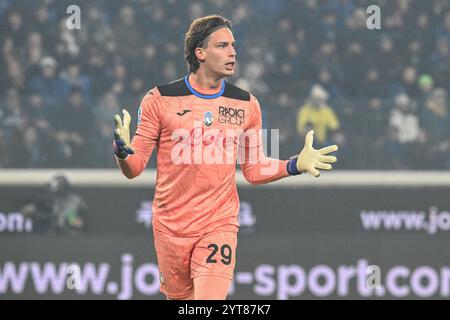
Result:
{"points": [[200, 54]]}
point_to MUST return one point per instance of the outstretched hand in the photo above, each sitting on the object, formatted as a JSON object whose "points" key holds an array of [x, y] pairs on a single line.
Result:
{"points": [[310, 159]]}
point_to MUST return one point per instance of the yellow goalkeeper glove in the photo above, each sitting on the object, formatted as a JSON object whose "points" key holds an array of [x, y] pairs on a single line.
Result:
{"points": [[121, 145], [310, 159]]}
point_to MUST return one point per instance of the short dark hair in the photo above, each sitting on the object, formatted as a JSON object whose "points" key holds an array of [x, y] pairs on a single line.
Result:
{"points": [[198, 33]]}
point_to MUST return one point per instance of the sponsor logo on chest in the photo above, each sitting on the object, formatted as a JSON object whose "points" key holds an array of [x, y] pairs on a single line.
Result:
{"points": [[231, 115]]}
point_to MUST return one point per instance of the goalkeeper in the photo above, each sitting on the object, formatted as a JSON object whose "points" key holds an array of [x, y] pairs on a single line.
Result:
{"points": [[197, 124]]}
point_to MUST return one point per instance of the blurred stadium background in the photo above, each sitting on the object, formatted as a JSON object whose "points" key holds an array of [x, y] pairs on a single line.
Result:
{"points": [[381, 95]]}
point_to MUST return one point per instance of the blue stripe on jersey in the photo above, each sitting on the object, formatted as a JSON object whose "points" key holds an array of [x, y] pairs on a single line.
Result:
{"points": [[205, 96]]}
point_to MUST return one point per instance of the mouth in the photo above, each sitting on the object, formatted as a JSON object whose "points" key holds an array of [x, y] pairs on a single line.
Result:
{"points": [[230, 65]]}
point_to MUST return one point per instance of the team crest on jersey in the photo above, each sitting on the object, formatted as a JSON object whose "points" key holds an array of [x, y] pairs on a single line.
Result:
{"points": [[208, 118]]}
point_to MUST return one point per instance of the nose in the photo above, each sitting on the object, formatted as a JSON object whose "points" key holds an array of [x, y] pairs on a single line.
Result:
{"points": [[232, 52]]}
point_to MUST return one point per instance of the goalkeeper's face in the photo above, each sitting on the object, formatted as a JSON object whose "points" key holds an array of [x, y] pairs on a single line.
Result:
{"points": [[220, 56]]}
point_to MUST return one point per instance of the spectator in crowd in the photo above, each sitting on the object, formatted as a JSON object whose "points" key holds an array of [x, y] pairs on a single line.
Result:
{"points": [[49, 84], [13, 119], [426, 84], [73, 130], [127, 32], [441, 62], [434, 119], [73, 76], [372, 135], [405, 125], [407, 84], [108, 106], [318, 115]]}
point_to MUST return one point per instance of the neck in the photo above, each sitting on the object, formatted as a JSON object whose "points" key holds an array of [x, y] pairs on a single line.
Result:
{"points": [[206, 81]]}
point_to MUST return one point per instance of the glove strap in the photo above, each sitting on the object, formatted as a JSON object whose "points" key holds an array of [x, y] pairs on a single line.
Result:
{"points": [[119, 150], [291, 167]]}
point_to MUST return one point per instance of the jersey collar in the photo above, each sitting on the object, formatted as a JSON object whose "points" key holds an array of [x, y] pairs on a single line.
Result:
{"points": [[204, 96]]}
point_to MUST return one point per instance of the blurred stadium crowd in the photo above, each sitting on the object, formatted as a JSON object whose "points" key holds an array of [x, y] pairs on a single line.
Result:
{"points": [[382, 95]]}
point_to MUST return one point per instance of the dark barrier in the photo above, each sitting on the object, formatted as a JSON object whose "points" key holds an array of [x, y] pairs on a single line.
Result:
{"points": [[294, 243]]}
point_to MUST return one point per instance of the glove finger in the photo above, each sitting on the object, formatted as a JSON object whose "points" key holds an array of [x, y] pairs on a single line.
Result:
{"points": [[314, 172], [328, 149], [118, 121], [126, 118], [328, 159], [323, 166], [309, 139]]}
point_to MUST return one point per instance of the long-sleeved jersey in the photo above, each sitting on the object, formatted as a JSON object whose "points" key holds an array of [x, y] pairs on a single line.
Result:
{"points": [[199, 135]]}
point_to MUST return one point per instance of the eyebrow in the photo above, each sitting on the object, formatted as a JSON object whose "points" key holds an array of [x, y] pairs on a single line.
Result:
{"points": [[225, 42]]}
